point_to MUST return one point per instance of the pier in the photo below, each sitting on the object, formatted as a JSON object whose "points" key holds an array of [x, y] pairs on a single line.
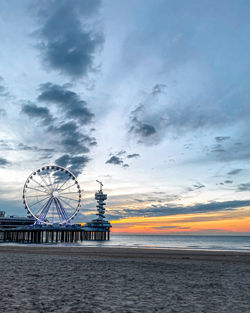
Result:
{"points": [[52, 204], [52, 235]]}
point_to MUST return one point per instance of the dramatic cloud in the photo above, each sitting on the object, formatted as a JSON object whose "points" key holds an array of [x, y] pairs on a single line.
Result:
{"points": [[122, 152], [175, 86], [235, 172], [159, 115], [134, 155], [3, 162], [114, 160], [217, 149], [5, 145], [158, 88], [34, 111], [170, 210], [75, 164], [198, 186], [67, 39], [72, 138], [68, 101], [228, 181], [222, 138], [24, 147], [244, 187], [144, 130], [67, 124]]}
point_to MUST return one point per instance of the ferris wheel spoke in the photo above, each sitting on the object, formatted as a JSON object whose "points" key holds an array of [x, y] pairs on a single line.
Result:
{"points": [[38, 190], [66, 193], [49, 178], [38, 201], [37, 196], [67, 187], [68, 204], [61, 212], [41, 185], [44, 181], [45, 210], [58, 210], [42, 207], [69, 198], [53, 212], [64, 183]]}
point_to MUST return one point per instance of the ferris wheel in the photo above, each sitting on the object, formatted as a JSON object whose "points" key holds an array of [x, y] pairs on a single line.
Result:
{"points": [[52, 195]]}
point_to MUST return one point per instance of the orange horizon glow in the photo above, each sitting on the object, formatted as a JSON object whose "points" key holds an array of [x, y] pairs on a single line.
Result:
{"points": [[237, 221]]}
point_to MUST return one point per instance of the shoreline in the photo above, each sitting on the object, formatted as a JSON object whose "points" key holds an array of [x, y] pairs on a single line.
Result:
{"points": [[127, 252]]}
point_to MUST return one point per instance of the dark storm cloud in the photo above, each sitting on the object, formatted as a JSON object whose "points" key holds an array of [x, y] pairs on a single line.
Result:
{"points": [[143, 123], [67, 125], [222, 138], [134, 155], [170, 210], [67, 101], [235, 172], [117, 158], [72, 138], [75, 163], [3, 162], [244, 187], [114, 160], [34, 111], [142, 129], [67, 40]]}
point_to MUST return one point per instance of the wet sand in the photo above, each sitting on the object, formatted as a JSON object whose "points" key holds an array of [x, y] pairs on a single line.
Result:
{"points": [[79, 279]]}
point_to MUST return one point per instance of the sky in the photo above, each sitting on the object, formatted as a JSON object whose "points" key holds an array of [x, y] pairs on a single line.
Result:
{"points": [[149, 96]]}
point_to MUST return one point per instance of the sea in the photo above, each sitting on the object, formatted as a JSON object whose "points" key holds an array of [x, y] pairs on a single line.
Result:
{"points": [[187, 242], [215, 243]]}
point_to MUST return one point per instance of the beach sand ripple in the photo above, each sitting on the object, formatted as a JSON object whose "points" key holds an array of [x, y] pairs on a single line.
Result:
{"points": [[121, 281]]}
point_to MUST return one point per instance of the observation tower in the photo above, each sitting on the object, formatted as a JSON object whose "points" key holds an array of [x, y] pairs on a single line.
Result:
{"points": [[100, 198], [99, 224]]}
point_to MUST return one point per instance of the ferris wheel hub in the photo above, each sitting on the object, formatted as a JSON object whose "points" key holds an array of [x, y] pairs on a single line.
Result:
{"points": [[55, 194]]}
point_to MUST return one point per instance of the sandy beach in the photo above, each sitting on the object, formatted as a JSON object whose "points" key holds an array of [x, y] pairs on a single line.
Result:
{"points": [[72, 279]]}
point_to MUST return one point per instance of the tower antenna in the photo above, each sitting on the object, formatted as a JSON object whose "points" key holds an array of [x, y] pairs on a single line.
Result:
{"points": [[101, 184]]}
